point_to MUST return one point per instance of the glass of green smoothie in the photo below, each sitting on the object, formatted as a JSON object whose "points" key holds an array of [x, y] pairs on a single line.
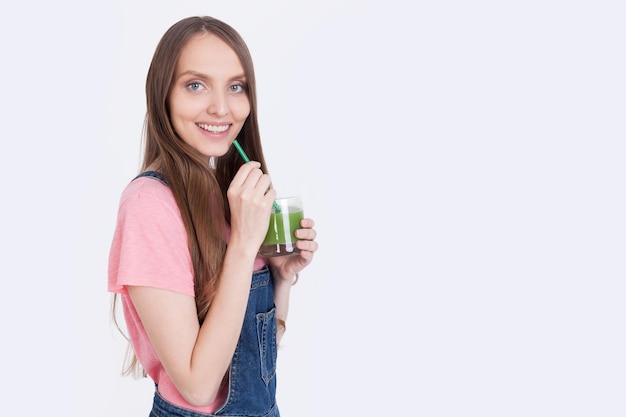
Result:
{"points": [[284, 221]]}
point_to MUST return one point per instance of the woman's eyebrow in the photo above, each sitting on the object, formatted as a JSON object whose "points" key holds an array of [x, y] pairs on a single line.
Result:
{"points": [[203, 76]]}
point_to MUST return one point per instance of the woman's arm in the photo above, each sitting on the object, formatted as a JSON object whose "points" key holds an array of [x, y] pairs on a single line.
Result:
{"points": [[282, 289], [285, 270], [196, 357]]}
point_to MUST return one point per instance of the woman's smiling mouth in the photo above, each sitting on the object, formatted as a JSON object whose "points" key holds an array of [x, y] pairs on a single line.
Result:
{"points": [[213, 128]]}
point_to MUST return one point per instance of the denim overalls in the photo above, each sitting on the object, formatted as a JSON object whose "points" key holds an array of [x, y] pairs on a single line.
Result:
{"points": [[252, 374]]}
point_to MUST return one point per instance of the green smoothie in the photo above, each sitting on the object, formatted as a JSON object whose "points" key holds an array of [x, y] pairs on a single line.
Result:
{"points": [[280, 238]]}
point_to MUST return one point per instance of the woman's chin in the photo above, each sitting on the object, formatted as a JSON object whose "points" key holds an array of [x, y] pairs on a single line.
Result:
{"points": [[213, 153]]}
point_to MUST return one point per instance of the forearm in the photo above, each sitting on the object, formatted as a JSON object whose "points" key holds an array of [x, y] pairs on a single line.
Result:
{"points": [[282, 291], [220, 331]]}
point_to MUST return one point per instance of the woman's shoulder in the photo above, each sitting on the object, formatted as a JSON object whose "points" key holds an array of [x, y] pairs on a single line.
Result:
{"points": [[148, 190]]}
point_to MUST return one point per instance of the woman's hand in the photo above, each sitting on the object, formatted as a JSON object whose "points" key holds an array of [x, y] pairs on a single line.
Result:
{"points": [[286, 267], [250, 198]]}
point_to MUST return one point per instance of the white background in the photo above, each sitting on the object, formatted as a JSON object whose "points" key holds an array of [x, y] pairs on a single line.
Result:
{"points": [[464, 162]]}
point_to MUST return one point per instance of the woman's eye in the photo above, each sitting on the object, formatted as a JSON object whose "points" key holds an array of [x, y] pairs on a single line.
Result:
{"points": [[194, 86], [237, 88]]}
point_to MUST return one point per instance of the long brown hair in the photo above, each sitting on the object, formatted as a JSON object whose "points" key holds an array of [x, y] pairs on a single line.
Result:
{"points": [[199, 190]]}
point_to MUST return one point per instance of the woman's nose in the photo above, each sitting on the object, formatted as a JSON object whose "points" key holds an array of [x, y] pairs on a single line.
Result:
{"points": [[218, 105]]}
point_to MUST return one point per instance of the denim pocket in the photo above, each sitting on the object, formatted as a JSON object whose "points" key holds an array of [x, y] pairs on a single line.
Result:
{"points": [[266, 333]]}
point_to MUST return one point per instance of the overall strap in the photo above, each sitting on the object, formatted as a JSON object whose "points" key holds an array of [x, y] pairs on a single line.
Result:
{"points": [[153, 174]]}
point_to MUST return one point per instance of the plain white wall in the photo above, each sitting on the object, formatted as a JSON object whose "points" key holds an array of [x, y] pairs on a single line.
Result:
{"points": [[463, 161]]}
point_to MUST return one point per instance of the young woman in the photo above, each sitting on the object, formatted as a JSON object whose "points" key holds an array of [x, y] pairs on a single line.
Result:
{"points": [[203, 310]]}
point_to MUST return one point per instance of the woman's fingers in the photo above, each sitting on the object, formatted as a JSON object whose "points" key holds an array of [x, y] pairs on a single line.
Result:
{"points": [[307, 245], [250, 180], [306, 234], [250, 171]]}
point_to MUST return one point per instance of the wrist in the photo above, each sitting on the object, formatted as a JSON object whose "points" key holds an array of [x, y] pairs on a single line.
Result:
{"points": [[242, 250], [286, 282]]}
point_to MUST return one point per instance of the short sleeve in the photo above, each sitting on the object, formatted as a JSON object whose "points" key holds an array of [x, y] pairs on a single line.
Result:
{"points": [[150, 246]]}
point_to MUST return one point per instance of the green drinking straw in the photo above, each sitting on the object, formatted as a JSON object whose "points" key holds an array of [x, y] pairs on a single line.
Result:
{"points": [[246, 160]]}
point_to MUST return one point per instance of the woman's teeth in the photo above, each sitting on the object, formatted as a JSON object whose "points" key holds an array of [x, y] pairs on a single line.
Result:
{"points": [[213, 128]]}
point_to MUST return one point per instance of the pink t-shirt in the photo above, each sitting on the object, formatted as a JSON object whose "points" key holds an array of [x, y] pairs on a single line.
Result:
{"points": [[150, 249]]}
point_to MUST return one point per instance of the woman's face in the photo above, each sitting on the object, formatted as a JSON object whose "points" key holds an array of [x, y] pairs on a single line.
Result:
{"points": [[208, 101]]}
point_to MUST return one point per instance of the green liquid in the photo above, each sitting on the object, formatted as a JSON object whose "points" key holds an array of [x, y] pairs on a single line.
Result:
{"points": [[280, 238]]}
